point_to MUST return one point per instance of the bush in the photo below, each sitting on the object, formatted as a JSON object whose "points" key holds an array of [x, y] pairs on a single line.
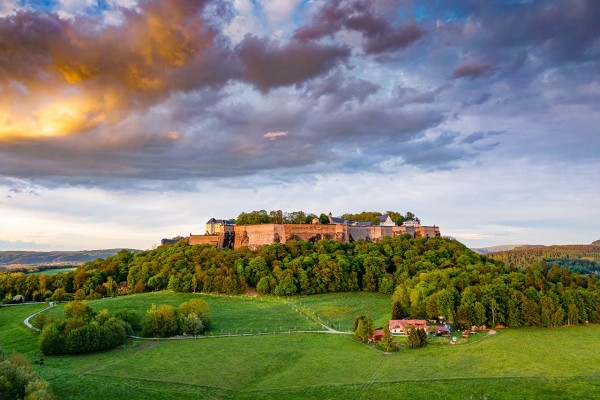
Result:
{"points": [[198, 307], [160, 321], [76, 335], [134, 319], [51, 341], [17, 380]]}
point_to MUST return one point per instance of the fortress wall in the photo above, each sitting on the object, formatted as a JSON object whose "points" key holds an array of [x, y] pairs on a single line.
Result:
{"points": [[204, 239], [402, 230], [314, 232], [370, 233], [427, 231], [359, 233], [381, 232], [254, 236]]}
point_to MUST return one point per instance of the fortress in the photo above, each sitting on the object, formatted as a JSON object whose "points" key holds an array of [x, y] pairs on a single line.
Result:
{"points": [[225, 234]]}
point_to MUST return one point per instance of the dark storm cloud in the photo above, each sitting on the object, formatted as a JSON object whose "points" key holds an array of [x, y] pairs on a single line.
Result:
{"points": [[380, 36], [267, 64]]}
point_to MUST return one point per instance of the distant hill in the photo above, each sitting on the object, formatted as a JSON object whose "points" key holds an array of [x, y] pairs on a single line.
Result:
{"points": [[596, 243], [495, 249], [54, 257]]}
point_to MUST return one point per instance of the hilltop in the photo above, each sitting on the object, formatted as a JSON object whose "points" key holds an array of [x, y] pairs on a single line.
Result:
{"points": [[495, 249], [36, 258]]}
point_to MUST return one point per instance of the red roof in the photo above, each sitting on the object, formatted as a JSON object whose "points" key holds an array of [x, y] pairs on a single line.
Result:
{"points": [[376, 334], [417, 323]]}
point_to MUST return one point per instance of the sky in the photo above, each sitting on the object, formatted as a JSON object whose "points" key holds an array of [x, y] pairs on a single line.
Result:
{"points": [[126, 121]]}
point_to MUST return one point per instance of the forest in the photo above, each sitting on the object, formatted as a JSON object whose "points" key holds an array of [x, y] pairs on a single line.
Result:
{"points": [[433, 278], [582, 259]]}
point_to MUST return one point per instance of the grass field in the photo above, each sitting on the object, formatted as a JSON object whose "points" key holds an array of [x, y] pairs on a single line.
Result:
{"points": [[339, 309], [54, 271], [531, 363]]}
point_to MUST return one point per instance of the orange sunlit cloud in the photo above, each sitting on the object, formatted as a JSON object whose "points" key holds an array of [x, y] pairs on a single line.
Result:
{"points": [[79, 74]]}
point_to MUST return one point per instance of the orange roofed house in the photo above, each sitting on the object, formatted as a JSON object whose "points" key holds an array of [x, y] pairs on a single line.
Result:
{"points": [[403, 326]]}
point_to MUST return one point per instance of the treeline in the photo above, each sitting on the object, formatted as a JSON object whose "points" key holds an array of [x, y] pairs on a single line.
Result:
{"points": [[18, 381], [301, 217], [371, 216], [278, 217], [428, 277], [526, 256]]}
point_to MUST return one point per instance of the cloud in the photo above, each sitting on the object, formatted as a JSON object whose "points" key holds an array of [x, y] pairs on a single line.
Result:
{"points": [[471, 70], [13, 245], [275, 135], [380, 36], [164, 95], [267, 64]]}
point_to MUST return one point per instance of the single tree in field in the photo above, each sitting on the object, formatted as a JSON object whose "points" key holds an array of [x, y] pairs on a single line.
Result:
{"points": [[422, 337], [413, 338], [388, 339], [363, 326]]}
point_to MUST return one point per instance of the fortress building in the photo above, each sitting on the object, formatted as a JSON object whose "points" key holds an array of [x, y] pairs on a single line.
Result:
{"points": [[224, 234]]}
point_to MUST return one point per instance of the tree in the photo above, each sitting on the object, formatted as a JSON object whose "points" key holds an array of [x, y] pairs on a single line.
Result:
{"points": [[78, 310], [413, 339], [388, 339], [199, 308], [422, 337], [18, 381], [112, 289], [364, 327], [324, 219], [397, 310], [416, 338], [59, 295], [479, 314], [192, 325], [51, 341], [79, 294], [160, 321], [572, 315]]}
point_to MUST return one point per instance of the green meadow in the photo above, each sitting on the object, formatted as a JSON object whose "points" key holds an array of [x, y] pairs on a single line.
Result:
{"points": [[54, 271], [532, 363]]}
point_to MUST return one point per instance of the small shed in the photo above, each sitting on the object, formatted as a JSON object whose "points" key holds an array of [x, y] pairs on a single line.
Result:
{"points": [[376, 335]]}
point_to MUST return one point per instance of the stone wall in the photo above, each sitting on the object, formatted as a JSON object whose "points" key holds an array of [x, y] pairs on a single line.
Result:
{"points": [[254, 236], [315, 232], [204, 239], [427, 231]]}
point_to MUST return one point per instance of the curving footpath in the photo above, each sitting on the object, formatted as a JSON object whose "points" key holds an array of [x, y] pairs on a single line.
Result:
{"points": [[26, 320]]}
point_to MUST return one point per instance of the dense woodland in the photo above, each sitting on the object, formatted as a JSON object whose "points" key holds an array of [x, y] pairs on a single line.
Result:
{"points": [[582, 259], [426, 278]]}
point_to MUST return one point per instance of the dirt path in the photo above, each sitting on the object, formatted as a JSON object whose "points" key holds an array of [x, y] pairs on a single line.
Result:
{"points": [[26, 320]]}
